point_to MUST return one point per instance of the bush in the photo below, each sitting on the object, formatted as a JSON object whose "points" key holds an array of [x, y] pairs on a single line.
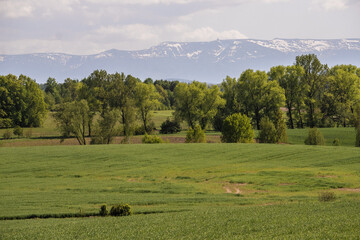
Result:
{"points": [[315, 137], [280, 125], [6, 123], [237, 128], [121, 210], [267, 133], [357, 141], [7, 134], [196, 135], [336, 142], [151, 139], [170, 127], [103, 211], [18, 131], [327, 196]]}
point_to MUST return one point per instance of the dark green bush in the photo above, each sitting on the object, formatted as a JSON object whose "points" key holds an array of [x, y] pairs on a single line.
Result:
{"points": [[336, 142], [170, 127], [151, 139], [7, 134], [267, 133], [18, 131], [196, 135], [327, 196], [280, 126], [237, 128], [103, 211], [315, 137], [121, 210]]}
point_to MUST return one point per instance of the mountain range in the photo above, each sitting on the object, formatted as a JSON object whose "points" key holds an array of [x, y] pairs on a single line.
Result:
{"points": [[203, 61]]}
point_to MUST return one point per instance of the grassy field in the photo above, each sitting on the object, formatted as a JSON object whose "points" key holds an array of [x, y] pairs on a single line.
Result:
{"points": [[203, 191]]}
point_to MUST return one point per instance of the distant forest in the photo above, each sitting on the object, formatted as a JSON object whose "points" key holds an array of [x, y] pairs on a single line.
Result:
{"points": [[308, 93]]}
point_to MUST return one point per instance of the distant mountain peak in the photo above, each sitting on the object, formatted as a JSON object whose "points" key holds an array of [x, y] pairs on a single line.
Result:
{"points": [[203, 61]]}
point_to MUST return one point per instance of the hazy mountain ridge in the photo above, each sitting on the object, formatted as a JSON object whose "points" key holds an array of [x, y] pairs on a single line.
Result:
{"points": [[203, 61]]}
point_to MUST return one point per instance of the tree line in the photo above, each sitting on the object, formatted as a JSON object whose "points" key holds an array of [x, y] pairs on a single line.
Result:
{"points": [[308, 93]]}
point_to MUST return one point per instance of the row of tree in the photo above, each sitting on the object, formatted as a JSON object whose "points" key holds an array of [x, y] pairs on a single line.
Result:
{"points": [[311, 94]]}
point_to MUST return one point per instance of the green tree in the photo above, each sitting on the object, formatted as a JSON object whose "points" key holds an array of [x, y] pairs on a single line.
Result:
{"points": [[105, 130], [73, 119], [258, 96], [237, 128], [122, 91], [196, 103], [21, 102], [146, 100], [289, 78], [52, 89], [313, 80], [69, 90], [342, 93]]}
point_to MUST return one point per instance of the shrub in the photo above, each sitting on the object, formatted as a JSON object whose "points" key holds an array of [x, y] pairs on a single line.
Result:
{"points": [[315, 137], [327, 196], [267, 133], [151, 139], [121, 210], [196, 135], [170, 127], [18, 131], [237, 128], [103, 211], [7, 134], [357, 141], [336, 142], [280, 126]]}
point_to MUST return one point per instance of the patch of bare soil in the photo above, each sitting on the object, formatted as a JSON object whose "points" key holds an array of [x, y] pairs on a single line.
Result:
{"points": [[349, 189], [327, 176], [234, 187]]}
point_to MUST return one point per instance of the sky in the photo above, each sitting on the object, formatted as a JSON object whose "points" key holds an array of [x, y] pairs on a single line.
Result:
{"points": [[92, 26]]}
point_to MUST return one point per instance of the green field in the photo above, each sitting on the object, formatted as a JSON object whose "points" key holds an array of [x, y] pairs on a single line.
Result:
{"points": [[182, 191]]}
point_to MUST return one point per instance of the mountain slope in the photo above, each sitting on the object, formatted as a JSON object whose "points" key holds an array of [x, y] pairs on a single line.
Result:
{"points": [[203, 61]]}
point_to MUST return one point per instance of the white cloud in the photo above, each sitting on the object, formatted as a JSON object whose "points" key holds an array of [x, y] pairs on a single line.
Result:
{"points": [[330, 4], [207, 34], [16, 9]]}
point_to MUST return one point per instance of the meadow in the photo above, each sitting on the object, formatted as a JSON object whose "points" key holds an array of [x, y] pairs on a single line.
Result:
{"points": [[182, 191]]}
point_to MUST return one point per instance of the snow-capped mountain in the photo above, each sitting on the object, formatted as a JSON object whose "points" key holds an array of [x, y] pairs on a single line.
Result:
{"points": [[203, 61]]}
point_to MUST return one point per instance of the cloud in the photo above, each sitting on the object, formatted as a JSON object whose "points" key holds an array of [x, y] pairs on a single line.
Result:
{"points": [[16, 9], [208, 33], [330, 4]]}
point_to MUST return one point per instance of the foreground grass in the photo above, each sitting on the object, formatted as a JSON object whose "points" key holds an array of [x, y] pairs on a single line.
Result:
{"points": [[339, 220], [206, 191]]}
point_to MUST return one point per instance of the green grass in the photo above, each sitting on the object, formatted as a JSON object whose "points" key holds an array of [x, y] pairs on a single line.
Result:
{"points": [[296, 221], [345, 135], [274, 191]]}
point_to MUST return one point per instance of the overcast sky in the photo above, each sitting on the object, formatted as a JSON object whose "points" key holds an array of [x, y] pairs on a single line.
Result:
{"points": [[92, 26]]}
